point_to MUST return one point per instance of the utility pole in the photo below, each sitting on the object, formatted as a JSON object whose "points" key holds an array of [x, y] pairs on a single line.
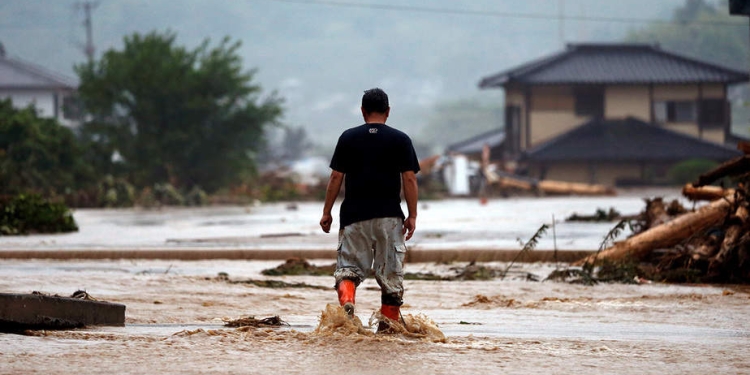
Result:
{"points": [[88, 6], [561, 22]]}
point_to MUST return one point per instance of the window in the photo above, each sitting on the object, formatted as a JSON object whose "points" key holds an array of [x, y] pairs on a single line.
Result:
{"points": [[513, 129], [713, 112], [675, 111], [590, 102]]}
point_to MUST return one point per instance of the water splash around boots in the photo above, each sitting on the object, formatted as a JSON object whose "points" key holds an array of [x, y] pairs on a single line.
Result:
{"points": [[335, 321]]}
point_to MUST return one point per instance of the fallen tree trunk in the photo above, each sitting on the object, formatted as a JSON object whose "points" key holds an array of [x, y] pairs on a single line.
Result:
{"points": [[705, 193], [733, 167], [733, 233], [515, 184], [551, 187], [666, 235], [562, 187]]}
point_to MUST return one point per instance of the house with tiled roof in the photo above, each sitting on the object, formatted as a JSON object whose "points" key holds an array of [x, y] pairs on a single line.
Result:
{"points": [[614, 113], [51, 94], [472, 146]]}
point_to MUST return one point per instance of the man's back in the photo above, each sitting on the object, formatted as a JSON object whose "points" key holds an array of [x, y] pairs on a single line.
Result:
{"points": [[372, 157]]}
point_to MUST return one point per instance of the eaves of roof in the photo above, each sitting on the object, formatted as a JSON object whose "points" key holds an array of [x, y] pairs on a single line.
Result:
{"points": [[20, 75], [630, 140], [614, 64], [492, 138]]}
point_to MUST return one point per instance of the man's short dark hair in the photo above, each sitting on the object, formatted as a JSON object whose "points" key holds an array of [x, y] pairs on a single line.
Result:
{"points": [[375, 100]]}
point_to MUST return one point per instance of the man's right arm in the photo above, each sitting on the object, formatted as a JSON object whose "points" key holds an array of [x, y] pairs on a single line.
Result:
{"points": [[332, 191]]}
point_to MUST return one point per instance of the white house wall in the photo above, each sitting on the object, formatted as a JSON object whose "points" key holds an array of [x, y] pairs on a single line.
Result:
{"points": [[43, 101]]}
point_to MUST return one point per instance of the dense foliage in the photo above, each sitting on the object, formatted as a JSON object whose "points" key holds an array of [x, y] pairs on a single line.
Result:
{"points": [[38, 154], [689, 170], [169, 114], [30, 213], [725, 41]]}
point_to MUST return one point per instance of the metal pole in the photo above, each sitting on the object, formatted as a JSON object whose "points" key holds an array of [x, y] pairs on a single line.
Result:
{"points": [[88, 49]]}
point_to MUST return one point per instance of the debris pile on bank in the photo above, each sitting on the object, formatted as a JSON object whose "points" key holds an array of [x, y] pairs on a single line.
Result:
{"points": [[709, 244], [251, 321], [298, 266]]}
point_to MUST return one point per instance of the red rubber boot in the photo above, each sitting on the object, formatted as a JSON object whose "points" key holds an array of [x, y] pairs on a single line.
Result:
{"points": [[347, 290], [391, 312]]}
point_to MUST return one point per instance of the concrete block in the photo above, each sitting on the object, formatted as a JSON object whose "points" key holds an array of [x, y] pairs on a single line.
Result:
{"points": [[38, 311]]}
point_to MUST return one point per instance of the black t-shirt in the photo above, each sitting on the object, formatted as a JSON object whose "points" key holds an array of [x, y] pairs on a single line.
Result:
{"points": [[372, 157]]}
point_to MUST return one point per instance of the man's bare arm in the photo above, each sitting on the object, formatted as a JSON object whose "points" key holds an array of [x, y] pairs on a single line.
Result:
{"points": [[411, 193], [332, 191]]}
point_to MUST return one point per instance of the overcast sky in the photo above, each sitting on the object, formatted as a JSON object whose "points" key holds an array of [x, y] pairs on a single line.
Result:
{"points": [[321, 55]]}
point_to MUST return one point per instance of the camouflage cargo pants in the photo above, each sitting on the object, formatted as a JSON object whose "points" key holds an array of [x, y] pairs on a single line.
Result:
{"points": [[374, 246]]}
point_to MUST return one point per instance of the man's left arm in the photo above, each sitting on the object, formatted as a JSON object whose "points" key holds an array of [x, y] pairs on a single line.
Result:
{"points": [[411, 193]]}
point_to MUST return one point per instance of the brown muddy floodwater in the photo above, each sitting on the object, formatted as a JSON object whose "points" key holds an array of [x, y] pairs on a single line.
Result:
{"points": [[176, 310]]}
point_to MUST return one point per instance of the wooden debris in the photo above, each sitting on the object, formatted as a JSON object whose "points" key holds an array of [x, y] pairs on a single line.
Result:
{"points": [[735, 229], [705, 193], [545, 187], [710, 244], [600, 216], [665, 235], [427, 165], [549, 187], [735, 167], [250, 321]]}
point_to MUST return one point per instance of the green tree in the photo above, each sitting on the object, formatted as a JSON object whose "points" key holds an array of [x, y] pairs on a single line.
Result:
{"points": [[38, 154], [701, 30], [706, 31], [187, 117]]}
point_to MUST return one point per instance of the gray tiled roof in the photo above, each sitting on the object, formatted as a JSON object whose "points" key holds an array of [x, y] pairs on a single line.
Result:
{"points": [[614, 64], [15, 74], [627, 139], [474, 145]]}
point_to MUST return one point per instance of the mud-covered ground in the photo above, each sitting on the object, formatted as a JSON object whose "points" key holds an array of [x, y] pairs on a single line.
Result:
{"points": [[176, 310]]}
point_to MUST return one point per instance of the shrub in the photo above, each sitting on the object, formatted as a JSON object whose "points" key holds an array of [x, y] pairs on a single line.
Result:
{"points": [[116, 192], [168, 195], [196, 197], [689, 170], [30, 213]]}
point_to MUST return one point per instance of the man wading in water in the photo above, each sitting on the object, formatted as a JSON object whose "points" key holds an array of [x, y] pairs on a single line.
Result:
{"points": [[375, 160]]}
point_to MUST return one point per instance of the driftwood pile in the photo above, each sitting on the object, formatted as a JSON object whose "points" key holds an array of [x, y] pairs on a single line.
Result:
{"points": [[508, 182], [709, 244]]}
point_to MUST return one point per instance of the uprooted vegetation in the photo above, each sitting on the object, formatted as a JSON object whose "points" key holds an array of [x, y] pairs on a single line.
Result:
{"points": [[470, 272], [710, 244], [301, 267], [601, 215], [276, 284], [251, 321], [298, 266]]}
